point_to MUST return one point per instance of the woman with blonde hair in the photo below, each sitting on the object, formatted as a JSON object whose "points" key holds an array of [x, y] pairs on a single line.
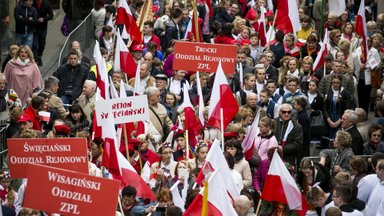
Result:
{"points": [[308, 73], [11, 53], [283, 69], [22, 70]]}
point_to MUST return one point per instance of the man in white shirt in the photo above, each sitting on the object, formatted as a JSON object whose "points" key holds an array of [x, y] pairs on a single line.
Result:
{"points": [[376, 198]]}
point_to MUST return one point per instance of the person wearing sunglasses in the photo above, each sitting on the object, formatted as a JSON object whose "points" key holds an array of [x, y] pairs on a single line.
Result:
{"points": [[289, 135]]}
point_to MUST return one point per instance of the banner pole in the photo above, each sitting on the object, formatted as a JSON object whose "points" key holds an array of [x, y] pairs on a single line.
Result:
{"points": [[121, 206], [187, 144], [126, 141], [222, 128]]}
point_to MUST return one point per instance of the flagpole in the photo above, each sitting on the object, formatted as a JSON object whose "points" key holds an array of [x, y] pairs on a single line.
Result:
{"points": [[273, 25], [196, 21], [204, 209], [258, 206], [126, 141], [324, 70], [187, 144], [222, 128], [120, 206]]}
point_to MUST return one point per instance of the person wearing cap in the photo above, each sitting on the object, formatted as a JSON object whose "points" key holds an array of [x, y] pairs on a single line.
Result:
{"points": [[180, 147], [137, 52], [162, 85], [146, 79], [25, 122], [61, 131]]}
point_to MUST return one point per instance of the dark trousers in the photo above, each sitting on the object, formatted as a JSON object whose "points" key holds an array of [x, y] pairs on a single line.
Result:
{"points": [[364, 94], [39, 43]]}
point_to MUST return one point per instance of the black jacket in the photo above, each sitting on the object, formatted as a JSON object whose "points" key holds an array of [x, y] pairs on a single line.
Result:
{"points": [[71, 76], [26, 18], [46, 12]]}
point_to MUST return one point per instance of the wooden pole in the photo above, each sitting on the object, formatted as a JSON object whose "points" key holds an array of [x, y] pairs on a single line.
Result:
{"points": [[222, 128], [126, 141], [196, 21], [121, 206], [258, 206], [273, 25], [187, 144]]}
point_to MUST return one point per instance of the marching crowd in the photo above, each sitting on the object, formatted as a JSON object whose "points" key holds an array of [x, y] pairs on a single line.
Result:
{"points": [[303, 110]]}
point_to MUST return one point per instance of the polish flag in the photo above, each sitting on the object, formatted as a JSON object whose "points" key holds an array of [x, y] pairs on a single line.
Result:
{"points": [[287, 19], [361, 29], [221, 98], [176, 198], [208, 7], [130, 177], [214, 161], [110, 153], [193, 32], [201, 99], [280, 186], [219, 202], [102, 72], [125, 17], [319, 61], [262, 29], [191, 123], [249, 139], [123, 58]]}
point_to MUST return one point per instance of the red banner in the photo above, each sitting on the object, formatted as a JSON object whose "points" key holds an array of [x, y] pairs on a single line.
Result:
{"points": [[66, 153], [204, 57], [66, 192]]}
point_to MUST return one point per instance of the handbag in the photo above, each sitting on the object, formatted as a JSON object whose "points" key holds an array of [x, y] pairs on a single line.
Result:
{"points": [[65, 26], [318, 125]]}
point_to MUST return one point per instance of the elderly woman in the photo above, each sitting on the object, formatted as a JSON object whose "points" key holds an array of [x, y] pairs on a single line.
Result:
{"points": [[22, 74], [375, 143], [338, 158]]}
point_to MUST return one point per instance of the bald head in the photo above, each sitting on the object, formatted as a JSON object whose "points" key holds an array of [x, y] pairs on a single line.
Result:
{"points": [[242, 204]]}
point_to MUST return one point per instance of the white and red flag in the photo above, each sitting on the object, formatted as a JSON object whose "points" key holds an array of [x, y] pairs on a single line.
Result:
{"points": [[249, 139], [262, 28], [215, 160], [287, 19], [361, 29], [125, 17], [280, 186], [221, 98], [123, 58], [130, 177], [102, 74], [219, 202], [319, 61], [201, 99]]}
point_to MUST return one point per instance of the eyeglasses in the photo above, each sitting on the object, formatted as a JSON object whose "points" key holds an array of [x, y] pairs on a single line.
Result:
{"points": [[286, 112]]}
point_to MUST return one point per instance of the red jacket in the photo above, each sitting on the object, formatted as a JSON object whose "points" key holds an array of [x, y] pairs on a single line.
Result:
{"points": [[36, 119]]}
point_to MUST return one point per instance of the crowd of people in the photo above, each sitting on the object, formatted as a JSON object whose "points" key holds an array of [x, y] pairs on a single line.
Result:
{"points": [[334, 114]]}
